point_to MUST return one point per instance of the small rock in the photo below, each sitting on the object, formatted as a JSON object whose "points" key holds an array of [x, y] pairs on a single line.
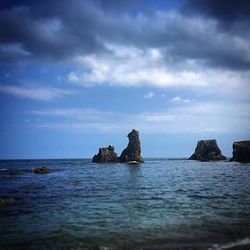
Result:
{"points": [[241, 151], [42, 170], [207, 150], [6, 201]]}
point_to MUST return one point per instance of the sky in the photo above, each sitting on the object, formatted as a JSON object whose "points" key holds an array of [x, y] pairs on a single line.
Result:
{"points": [[78, 75]]}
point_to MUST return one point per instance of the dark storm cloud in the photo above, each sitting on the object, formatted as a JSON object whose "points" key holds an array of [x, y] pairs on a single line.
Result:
{"points": [[233, 19], [227, 11], [56, 30], [60, 30], [233, 16]]}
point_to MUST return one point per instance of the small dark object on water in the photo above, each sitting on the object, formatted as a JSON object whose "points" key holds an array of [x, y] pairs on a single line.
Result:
{"points": [[6, 201], [15, 172], [42, 170]]}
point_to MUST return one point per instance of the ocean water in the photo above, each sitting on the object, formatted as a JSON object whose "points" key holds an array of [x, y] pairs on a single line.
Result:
{"points": [[161, 204]]}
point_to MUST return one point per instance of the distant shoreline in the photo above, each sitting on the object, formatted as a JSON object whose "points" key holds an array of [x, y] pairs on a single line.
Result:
{"points": [[89, 158]]}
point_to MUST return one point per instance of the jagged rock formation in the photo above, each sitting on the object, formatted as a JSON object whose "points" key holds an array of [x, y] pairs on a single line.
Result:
{"points": [[106, 155], [207, 150], [133, 151], [241, 151]]}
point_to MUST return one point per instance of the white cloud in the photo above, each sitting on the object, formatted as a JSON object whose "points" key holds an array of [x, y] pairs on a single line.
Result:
{"points": [[192, 60], [193, 117], [84, 114], [155, 53], [149, 95], [178, 99], [129, 66], [36, 93]]}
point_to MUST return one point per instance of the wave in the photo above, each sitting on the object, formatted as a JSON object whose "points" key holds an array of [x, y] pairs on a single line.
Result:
{"points": [[147, 198], [177, 158], [3, 169], [232, 245], [197, 196]]}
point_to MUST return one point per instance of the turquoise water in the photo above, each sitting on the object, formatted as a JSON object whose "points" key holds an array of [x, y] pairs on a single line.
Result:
{"points": [[161, 204]]}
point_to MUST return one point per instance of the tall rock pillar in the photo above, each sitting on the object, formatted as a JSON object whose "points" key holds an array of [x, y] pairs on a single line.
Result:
{"points": [[133, 151]]}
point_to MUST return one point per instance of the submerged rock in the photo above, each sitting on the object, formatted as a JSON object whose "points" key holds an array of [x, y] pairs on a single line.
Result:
{"points": [[6, 201], [133, 151], [42, 170], [106, 155], [15, 172], [241, 151], [207, 150]]}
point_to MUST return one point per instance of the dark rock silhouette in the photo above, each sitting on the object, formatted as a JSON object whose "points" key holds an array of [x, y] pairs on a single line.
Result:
{"points": [[106, 155], [42, 170], [207, 150], [133, 151], [241, 151]]}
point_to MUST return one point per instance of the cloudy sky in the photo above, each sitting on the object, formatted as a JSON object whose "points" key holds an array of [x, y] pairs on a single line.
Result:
{"points": [[76, 75]]}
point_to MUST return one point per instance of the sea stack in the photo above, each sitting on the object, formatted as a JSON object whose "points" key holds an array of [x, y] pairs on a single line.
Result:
{"points": [[106, 155], [241, 151], [207, 150], [133, 151]]}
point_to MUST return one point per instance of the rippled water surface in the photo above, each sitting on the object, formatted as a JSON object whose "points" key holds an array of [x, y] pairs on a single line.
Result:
{"points": [[161, 204]]}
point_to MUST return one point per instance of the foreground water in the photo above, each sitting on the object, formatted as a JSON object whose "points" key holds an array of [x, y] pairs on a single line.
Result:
{"points": [[162, 204]]}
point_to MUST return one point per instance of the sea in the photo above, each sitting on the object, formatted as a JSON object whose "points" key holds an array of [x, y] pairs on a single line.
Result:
{"points": [[162, 204]]}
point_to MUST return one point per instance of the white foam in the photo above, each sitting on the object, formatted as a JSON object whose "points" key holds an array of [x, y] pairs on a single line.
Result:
{"points": [[242, 242]]}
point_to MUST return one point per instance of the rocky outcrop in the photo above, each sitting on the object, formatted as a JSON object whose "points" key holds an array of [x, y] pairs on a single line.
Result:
{"points": [[106, 155], [207, 150], [241, 151], [41, 170], [133, 151]]}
